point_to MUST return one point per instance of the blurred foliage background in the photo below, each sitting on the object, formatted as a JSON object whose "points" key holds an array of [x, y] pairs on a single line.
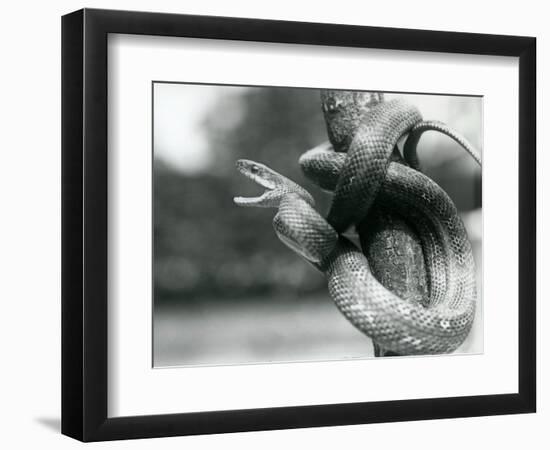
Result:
{"points": [[208, 251], [204, 243]]}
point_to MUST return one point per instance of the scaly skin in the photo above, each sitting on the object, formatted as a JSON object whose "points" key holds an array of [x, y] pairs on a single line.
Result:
{"points": [[409, 149], [366, 172], [374, 127]]}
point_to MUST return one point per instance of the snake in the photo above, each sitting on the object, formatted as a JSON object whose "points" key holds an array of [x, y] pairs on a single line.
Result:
{"points": [[361, 165]]}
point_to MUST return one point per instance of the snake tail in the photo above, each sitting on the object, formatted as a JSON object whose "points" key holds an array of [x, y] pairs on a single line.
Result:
{"points": [[410, 147]]}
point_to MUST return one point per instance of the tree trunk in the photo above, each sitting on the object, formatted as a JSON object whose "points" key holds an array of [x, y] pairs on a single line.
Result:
{"points": [[395, 256]]}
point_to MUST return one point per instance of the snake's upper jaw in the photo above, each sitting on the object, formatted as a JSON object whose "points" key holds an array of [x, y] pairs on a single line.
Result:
{"points": [[263, 176]]}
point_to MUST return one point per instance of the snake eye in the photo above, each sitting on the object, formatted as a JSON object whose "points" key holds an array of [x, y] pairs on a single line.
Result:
{"points": [[254, 169]]}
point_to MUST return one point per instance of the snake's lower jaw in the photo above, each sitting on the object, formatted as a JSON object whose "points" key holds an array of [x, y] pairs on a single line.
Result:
{"points": [[271, 198], [247, 201], [263, 201]]}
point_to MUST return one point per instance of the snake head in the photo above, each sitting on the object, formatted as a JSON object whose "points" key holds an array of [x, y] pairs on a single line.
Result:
{"points": [[276, 186], [343, 111]]}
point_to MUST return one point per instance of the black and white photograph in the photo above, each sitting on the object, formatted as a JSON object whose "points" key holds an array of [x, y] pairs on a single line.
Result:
{"points": [[301, 224], [275, 225]]}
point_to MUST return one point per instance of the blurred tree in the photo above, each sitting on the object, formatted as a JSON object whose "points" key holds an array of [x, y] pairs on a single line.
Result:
{"points": [[276, 125], [204, 245], [207, 246]]}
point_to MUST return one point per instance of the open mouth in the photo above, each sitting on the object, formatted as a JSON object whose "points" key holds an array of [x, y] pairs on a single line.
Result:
{"points": [[256, 172]]}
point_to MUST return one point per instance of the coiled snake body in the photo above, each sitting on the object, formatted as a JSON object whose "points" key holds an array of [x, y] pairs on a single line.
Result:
{"points": [[361, 166]]}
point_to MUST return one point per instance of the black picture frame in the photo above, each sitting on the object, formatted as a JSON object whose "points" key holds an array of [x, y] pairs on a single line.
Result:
{"points": [[84, 224]]}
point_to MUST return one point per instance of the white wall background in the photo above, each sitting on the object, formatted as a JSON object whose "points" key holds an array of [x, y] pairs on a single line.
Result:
{"points": [[30, 224]]}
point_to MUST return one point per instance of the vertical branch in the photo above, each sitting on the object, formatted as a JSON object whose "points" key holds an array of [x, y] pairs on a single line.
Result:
{"points": [[391, 246], [395, 255]]}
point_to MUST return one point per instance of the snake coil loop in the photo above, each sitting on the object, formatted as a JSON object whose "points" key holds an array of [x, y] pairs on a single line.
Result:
{"points": [[358, 166]]}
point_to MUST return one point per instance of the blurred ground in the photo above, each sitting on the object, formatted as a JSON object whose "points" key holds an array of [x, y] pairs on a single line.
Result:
{"points": [[275, 328]]}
